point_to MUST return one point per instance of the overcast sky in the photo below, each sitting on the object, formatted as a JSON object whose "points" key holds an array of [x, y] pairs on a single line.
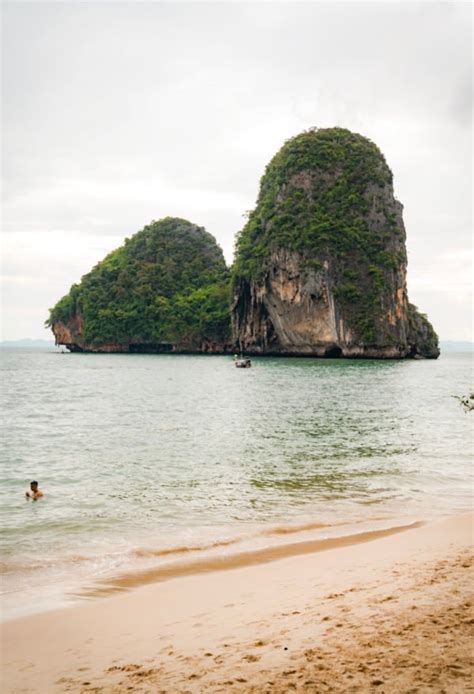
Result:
{"points": [[115, 114]]}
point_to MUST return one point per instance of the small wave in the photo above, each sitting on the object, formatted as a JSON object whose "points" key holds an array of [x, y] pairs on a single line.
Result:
{"points": [[267, 532], [312, 525], [145, 552], [30, 565], [290, 529], [131, 579]]}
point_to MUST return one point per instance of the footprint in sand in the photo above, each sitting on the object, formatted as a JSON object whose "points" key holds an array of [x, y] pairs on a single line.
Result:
{"points": [[250, 658], [130, 667]]}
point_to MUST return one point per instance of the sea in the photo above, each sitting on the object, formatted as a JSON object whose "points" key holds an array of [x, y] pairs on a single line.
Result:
{"points": [[153, 464]]}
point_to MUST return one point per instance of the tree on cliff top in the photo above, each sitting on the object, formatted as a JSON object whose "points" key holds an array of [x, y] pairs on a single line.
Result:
{"points": [[167, 283]]}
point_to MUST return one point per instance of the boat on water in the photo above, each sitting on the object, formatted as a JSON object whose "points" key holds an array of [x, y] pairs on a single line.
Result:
{"points": [[243, 363]]}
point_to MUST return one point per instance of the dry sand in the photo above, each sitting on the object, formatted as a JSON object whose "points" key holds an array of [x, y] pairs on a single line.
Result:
{"points": [[393, 614]]}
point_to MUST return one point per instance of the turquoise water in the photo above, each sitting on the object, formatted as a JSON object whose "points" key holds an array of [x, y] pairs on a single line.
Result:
{"points": [[141, 455]]}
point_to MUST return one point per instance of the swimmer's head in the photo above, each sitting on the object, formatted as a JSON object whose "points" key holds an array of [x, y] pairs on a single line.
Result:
{"points": [[34, 486]]}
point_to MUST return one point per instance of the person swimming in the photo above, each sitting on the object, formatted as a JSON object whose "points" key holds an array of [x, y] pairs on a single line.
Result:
{"points": [[34, 492]]}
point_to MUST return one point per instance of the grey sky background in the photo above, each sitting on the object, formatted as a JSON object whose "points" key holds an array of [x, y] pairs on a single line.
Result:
{"points": [[114, 114]]}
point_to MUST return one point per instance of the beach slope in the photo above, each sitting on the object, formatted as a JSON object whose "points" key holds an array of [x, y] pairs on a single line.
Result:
{"points": [[391, 614]]}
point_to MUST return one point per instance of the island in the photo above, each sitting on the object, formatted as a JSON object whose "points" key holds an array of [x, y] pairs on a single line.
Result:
{"points": [[320, 270]]}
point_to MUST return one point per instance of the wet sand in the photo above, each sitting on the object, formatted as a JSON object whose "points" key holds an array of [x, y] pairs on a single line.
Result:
{"points": [[392, 613]]}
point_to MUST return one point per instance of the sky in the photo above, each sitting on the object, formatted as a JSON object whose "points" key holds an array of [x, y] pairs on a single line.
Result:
{"points": [[118, 113]]}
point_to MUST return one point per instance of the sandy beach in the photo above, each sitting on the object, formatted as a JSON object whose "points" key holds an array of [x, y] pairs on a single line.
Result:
{"points": [[391, 613]]}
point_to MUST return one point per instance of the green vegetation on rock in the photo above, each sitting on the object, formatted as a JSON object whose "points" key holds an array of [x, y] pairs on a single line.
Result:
{"points": [[168, 283], [313, 196]]}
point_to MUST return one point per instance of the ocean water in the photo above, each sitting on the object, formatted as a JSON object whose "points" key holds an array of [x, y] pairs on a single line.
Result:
{"points": [[150, 460]]}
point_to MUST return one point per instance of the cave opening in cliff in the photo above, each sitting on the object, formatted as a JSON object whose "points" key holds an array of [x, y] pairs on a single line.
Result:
{"points": [[333, 352]]}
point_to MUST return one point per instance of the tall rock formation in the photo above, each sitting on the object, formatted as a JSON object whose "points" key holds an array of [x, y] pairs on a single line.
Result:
{"points": [[320, 266], [165, 290]]}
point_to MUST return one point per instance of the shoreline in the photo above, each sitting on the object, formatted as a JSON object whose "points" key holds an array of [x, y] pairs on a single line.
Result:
{"points": [[249, 625], [69, 580], [240, 559]]}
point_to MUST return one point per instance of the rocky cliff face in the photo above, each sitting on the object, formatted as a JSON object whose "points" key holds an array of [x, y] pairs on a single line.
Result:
{"points": [[72, 337], [321, 264]]}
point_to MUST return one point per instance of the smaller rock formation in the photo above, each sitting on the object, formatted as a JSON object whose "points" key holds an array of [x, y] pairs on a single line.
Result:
{"points": [[165, 290]]}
